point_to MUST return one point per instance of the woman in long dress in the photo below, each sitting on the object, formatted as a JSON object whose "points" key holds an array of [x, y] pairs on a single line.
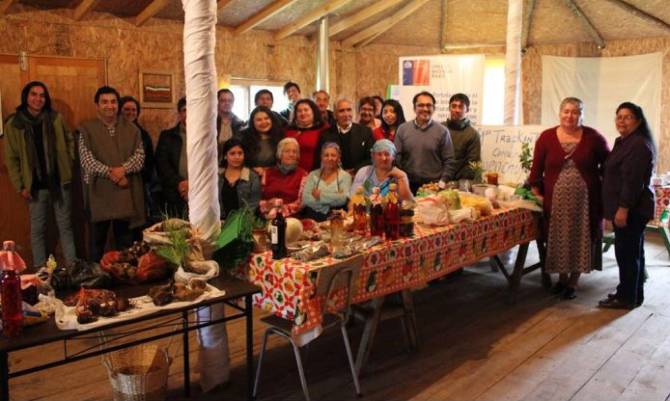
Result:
{"points": [[567, 174]]}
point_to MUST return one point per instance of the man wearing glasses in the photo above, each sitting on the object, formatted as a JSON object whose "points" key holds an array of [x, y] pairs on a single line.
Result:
{"points": [[425, 151]]}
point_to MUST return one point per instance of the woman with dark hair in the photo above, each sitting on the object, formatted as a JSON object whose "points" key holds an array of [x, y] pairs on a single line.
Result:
{"points": [[567, 174], [327, 188], [39, 155], [392, 116], [261, 139], [238, 184], [129, 108], [306, 128], [628, 202]]}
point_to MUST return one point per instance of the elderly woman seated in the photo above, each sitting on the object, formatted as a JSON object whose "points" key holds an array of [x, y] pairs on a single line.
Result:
{"points": [[382, 172], [238, 184], [328, 187], [286, 180]]}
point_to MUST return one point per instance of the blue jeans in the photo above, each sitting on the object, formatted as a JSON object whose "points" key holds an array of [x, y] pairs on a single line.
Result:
{"points": [[629, 251], [39, 212]]}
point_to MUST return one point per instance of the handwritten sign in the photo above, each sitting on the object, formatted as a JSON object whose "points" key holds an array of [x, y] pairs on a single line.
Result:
{"points": [[501, 148]]}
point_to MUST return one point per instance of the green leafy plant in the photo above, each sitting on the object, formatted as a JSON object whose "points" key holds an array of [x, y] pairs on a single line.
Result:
{"points": [[478, 171], [526, 158], [178, 247], [236, 241]]}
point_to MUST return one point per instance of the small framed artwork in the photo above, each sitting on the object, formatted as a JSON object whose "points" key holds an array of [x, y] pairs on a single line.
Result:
{"points": [[157, 89]]}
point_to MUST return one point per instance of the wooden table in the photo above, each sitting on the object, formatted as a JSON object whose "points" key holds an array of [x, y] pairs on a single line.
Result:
{"points": [[47, 333], [288, 285]]}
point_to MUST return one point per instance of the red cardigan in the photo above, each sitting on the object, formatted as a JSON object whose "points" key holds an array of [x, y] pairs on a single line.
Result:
{"points": [[308, 139], [286, 187], [378, 133], [589, 157]]}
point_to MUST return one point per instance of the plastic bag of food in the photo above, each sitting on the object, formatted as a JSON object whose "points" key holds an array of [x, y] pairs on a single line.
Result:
{"points": [[451, 199], [431, 210], [480, 203], [460, 215]]}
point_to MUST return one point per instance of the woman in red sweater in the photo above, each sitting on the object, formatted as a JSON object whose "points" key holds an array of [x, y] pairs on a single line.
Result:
{"points": [[285, 180], [306, 128], [567, 173]]}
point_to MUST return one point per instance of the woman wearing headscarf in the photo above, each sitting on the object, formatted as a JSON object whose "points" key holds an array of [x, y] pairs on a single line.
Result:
{"points": [[306, 128], [392, 116], [327, 188], [628, 202], [567, 175], [286, 180], [382, 172]]}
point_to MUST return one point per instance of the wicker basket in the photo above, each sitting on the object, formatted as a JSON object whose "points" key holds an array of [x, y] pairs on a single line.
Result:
{"points": [[138, 373]]}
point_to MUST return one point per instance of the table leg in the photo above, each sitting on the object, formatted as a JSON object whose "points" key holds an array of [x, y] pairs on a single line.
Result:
{"points": [[517, 273], [185, 350], [249, 316], [542, 251], [410, 318], [4, 372], [371, 323]]}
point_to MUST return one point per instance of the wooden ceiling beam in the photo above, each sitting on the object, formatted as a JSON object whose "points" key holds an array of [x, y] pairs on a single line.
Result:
{"points": [[312, 16], [586, 22], [443, 24], [83, 8], [362, 15], [641, 14], [528, 19], [220, 4], [384, 25], [149, 11], [266, 13], [5, 4]]}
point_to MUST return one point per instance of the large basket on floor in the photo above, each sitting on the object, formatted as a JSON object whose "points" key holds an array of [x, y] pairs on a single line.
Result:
{"points": [[138, 373]]}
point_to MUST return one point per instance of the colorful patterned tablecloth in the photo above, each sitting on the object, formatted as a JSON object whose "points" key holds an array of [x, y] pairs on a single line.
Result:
{"points": [[288, 285], [662, 202]]}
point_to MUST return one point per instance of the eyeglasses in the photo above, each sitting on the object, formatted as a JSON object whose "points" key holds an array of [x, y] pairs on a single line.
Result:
{"points": [[627, 117]]}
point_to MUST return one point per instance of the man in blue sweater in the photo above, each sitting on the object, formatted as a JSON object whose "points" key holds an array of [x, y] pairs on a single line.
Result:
{"points": [[425, 150]]}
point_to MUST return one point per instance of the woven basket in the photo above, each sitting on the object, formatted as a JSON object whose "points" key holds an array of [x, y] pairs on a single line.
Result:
{"points": [[138, 373]]}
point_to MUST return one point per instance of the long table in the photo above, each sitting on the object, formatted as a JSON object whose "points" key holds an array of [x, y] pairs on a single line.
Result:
{"points": [[288, 285], [47, 333]]}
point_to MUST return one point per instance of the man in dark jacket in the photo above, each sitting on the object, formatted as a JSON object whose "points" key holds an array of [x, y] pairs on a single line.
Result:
{"points": [[467, 145], [172, 166], [228, 124], [355, 140]]}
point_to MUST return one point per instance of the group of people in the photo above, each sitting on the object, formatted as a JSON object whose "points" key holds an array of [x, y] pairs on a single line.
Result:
{"points": [[582, 182], [314, 159]]}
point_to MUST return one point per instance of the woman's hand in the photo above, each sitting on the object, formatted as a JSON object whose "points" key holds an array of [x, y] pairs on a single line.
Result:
{"points": [[316, 193], [621, 217], [25, 194], [396, 173]]}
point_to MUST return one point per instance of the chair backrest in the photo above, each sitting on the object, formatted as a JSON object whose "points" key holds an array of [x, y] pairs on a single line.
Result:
{"points": [[341, 275]]}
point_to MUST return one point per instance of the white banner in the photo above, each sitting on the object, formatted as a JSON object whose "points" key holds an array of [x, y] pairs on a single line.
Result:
{"points": [[603, 83], [501, 149], [442, 76]]}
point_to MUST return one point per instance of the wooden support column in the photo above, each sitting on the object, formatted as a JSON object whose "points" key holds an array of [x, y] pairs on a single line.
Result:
{"points": [[527, 24], [513, 61], [274, 8]]}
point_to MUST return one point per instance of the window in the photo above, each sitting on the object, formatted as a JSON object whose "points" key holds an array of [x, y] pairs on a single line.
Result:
{"points": [[245, 90]]}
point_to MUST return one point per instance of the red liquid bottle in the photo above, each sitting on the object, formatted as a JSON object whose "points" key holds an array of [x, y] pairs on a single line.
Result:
{"points": [[10, 288], [392, 214], [376, 213]]}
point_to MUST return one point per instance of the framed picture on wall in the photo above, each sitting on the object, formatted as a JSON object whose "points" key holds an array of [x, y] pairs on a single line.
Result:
{"points": [[157, 89], [2, 119]]}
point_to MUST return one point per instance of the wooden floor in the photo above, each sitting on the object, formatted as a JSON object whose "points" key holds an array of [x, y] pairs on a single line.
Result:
{"points": [[473, 346]]}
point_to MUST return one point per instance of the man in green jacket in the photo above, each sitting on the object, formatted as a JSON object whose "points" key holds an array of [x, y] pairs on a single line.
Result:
{"points": [[39, 154], [467, 144]]}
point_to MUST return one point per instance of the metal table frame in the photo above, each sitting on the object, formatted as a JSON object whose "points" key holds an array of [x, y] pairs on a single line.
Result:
{"points": [[48, 333]]}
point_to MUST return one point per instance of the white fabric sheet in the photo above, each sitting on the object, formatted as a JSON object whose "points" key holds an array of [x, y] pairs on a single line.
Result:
{"points": [[603, 83]]}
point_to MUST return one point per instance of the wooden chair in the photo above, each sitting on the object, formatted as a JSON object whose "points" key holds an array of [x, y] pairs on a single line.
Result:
{"points": [[329, 279]]}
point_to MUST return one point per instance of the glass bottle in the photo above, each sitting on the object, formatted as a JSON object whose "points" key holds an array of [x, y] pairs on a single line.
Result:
{"points": [[392, 213], [359, 206], [376, 213], [278, 232], [10, 288]]}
